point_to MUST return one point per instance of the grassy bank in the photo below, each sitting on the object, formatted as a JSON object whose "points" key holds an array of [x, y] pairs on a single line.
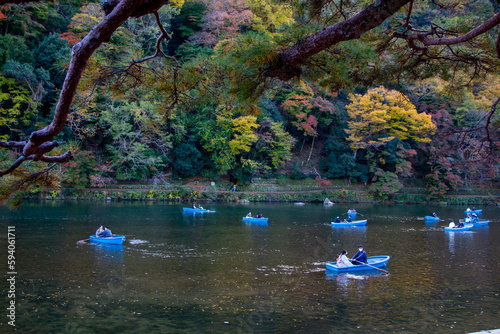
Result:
{"points": [[265, 191]]}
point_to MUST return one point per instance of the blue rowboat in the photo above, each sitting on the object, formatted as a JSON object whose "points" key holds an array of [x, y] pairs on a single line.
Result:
{"points": [[373, 261], [431, 218], [479, 211], [467, 227], [255, 220], [195, 210], [353, 223], [115, 239]]}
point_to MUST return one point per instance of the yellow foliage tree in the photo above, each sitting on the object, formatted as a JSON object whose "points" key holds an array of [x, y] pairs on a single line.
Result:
{"points": [[244, 135], [382, 115]]}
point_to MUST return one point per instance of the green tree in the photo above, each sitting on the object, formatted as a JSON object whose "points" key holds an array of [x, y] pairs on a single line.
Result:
{"points": [[17, 108], [14, 48], [187, 159], [139, 145]]}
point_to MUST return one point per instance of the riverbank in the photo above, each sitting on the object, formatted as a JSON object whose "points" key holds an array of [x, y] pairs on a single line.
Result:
{"points": [[266, 191]]}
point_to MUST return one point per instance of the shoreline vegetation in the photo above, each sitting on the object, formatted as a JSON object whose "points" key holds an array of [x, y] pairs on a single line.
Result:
{"points": [[275, 190]]}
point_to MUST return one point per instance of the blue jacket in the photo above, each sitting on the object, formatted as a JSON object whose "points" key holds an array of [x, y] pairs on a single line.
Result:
{"points": [[106, 233], [359, 256], [336, 220]]}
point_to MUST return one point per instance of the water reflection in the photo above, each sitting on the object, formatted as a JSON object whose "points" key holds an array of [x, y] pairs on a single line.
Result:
{"points": [[462, 239], [354, 281], [107, 256]]}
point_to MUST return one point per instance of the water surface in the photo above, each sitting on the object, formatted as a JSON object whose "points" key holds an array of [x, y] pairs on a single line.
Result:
{"points": [[212, 273]]}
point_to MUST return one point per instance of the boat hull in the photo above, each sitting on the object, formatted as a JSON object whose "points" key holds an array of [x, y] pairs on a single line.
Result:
{"points": [[114, 240], [481, 222], [474, 211], [373, 261], [194, 210], [353, 223], [431, 218], [467, 227], [255, 220]]}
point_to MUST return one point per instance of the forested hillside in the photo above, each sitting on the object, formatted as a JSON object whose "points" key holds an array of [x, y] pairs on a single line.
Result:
{"points": [[211, 89]]}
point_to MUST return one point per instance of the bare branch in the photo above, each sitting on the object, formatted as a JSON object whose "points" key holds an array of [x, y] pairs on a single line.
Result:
{"points": [[34, 176], [12, 144], [408, 15], [479, 30], [16, 164]]}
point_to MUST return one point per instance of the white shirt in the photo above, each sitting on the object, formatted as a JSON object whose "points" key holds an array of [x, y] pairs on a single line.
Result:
{"points": [[343, 261]]}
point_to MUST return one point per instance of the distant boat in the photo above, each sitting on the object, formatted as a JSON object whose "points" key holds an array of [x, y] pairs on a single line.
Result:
{"points": [[431, 218], [353, 223], [255, 220], [115, 239], [467, 227], [196, 210], [351, 213], [372, 261], [477, 211]]}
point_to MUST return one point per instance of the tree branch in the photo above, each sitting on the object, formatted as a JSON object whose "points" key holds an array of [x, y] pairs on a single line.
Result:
{"points": [[289, 61], [12, 144], [481, 29]]}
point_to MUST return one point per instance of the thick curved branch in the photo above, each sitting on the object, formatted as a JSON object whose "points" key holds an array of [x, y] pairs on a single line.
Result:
{"points": [[81, 53], [289, 60], [40, 141]]}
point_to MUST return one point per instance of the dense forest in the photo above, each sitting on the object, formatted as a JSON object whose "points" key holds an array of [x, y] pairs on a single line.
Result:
{"points": [[201, 89]]}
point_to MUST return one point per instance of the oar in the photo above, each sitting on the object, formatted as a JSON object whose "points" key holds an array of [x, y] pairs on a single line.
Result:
{"points": [[129, 236], [385, 271], [82, 241]]}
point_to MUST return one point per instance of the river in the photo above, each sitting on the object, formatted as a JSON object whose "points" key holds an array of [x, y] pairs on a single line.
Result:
{"points": [[212, 273]]}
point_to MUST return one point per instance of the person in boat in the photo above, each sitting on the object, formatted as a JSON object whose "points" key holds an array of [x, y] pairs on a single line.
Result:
{"points": [[259, 215], [433, 215], [468, 219], [452, 224], [474, 217], [460, 224], [107, 232], [336, 220], [349, 219], [468, 209], [249, 215], [99, 231], [359, 257], [473, 208], [194, 206], [343, 261]]}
